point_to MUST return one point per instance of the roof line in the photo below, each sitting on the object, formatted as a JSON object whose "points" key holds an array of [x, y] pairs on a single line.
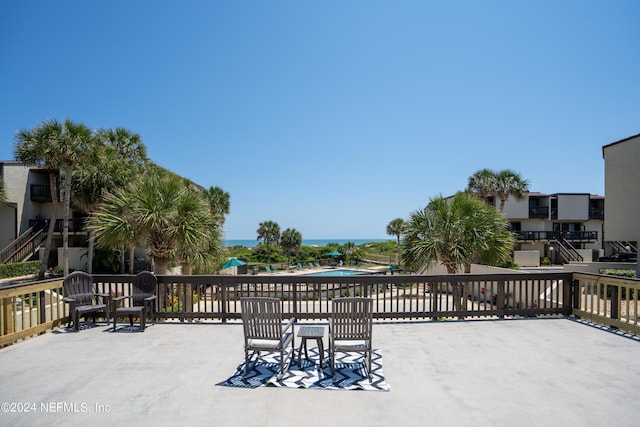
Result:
{"points": [[618, 142]]}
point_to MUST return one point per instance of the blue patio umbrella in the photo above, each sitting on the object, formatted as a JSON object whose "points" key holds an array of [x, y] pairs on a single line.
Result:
{"points": [[233, 262], [334, 253]]}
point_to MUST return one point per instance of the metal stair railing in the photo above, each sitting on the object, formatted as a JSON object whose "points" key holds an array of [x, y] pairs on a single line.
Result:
{"points": [[24, 246], [623, 247], [567, 251]]}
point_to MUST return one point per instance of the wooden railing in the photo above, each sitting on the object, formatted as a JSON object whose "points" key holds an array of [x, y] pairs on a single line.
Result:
{"points": [[24, 246], [395, 297], [608, 300], [30, 309]]}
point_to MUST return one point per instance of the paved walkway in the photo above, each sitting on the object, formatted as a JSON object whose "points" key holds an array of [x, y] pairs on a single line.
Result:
{"points": [[537, 372]]}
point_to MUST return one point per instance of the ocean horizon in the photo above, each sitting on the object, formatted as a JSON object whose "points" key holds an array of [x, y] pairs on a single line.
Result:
{"points": [[250, 243]]}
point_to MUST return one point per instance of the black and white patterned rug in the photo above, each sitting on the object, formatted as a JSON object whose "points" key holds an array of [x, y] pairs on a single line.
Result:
{"points": [[351, 373]]}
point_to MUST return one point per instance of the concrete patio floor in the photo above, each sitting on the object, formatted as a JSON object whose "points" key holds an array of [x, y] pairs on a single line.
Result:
{"points": [[534, 372]]}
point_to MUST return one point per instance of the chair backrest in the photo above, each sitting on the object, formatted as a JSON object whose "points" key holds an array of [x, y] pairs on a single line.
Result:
{"points": [[352, 318], [261, 318], [143, 286], [79, 286]]}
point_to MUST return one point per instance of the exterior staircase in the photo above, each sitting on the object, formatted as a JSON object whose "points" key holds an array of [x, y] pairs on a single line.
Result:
{"points": [[24, 247], [566, 250], [623, 247]]}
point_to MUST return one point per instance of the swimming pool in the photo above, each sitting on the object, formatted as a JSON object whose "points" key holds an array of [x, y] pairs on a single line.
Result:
{"points": [[334, 273]]}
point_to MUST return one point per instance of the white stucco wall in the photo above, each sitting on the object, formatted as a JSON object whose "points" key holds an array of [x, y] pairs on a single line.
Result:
{"points": [[17, 181], [573, 207], [8, 227], [594, 225], [77, 258], [15, 177], [527, 258], [535, 225], [516, 209], [622, 192], [533, 246]]}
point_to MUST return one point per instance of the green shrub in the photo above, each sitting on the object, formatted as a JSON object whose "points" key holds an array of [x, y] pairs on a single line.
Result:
{"points": [[106, 261], [512, 265], [545, 260], [18, 269], [618, 272]]}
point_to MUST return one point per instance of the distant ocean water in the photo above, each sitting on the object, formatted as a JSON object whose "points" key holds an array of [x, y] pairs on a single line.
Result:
{"points": [[306, 242]]}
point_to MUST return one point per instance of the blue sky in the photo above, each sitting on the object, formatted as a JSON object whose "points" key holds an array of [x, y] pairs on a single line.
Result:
{"points": [[334, 117]]}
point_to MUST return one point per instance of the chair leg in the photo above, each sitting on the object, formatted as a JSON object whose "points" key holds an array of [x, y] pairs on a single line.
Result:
{"points": [[286, 359], [72, 310], [143, 319], [332, 357], [281, 373], [114, 322], [246, 363]]}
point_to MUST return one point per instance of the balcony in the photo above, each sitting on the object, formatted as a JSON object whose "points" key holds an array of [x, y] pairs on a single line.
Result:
{"points": [[539, 212], [76, 225], [40, 193], [527, 372], [547, 236], [596, 213]]}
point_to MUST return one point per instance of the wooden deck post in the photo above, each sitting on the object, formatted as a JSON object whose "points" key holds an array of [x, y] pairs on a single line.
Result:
{"points": [[500, 299], [615, 302], [6, 318]]}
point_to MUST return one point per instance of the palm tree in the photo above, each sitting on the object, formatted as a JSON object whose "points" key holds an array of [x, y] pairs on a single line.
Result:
{"points": [[510, 183], [119, 155], [153, 204], [268, 232], [349, 250], [291, 242], [488, 234], [195, 228], [76, 140], [114, 226], [483, 183], [57, 146], [219, 202], [502, 184], [210, 256], [396, 228], [173, 218], [36, 147], [456, 232]]}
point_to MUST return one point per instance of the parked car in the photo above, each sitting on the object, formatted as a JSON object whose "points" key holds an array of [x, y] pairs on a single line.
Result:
{"points": [[620, 257]]}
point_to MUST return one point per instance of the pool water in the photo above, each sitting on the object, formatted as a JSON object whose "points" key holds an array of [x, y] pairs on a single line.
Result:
{"points": [[334, 273]]}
